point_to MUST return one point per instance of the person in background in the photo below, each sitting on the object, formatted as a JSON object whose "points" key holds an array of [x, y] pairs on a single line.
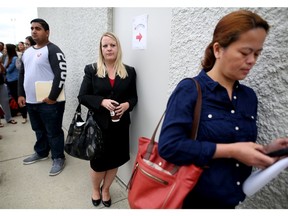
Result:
{"points": [[2, 53], [109, 86], [29, 42], [4, 97], [226, 145], [20, 48], [12, 74], [44, 62]]}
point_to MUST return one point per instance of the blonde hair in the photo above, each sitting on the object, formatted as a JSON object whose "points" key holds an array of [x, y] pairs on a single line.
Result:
{"points": [[118, 65]]}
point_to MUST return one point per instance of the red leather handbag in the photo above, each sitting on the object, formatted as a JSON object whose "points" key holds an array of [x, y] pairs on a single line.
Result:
{"points": [[157, 184]]}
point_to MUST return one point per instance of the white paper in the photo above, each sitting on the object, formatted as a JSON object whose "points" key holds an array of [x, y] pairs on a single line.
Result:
{"points": [[139, 37], [259, 178]]}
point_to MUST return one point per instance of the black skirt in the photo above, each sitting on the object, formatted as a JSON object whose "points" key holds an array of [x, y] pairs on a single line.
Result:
{"points": [[116, 147]]}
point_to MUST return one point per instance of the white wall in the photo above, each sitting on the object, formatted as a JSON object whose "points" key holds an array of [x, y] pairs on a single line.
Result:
{"points": [[152, 68]]}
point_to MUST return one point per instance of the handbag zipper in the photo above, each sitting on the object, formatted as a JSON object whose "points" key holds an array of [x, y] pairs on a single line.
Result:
{"points": [[152, 176]]}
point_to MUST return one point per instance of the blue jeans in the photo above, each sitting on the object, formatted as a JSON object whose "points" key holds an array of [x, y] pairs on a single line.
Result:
{"points": [[46, 122]]}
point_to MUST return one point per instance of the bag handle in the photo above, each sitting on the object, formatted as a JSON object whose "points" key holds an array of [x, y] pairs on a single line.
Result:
{"points": [[197, 112], [78, 109], [195, 123]]}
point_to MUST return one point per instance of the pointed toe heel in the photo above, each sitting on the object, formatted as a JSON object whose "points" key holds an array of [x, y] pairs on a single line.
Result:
{"points": [[107, 203], [96, 202]]}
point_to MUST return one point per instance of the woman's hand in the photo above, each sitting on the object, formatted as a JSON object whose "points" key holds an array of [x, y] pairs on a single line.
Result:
{"points": [[276, 144], [113, 105], [119, 111], [248, 153], [109, 104]]}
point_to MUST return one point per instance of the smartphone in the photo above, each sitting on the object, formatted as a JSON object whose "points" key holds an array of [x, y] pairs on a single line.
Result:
{"points": [[278, 153]]}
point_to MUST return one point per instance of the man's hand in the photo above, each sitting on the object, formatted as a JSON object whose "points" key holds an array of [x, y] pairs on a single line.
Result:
{"points": [[48, 101], [21, 101]]}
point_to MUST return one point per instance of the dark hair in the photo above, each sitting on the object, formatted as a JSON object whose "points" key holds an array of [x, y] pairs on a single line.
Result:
{"points": [[42, 22], [32, 42], [229, 29], [11, 50]]}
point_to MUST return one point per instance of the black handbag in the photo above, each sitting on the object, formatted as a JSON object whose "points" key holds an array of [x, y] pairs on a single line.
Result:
{"points": [[84, 139]]}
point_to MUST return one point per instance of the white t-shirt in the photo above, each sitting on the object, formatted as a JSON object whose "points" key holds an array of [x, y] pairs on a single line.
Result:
{"points": [[43, 64], [37, 68]]}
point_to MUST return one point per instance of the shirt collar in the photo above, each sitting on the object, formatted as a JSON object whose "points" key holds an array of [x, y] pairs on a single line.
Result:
{"points": [[210, 83]]}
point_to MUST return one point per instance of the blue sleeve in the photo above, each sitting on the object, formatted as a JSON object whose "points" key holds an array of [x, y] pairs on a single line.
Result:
{"points": [[175, 144], [12, 65]]}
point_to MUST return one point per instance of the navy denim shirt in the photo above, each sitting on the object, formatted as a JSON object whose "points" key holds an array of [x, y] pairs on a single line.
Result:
{"points": [[222, 121]]}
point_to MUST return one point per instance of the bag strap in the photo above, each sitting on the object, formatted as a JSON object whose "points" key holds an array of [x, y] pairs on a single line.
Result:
{"points": [[197, 112], [78, 109], [195, 124]]}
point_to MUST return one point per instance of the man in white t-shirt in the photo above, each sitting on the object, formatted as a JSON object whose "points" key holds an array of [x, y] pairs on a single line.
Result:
{"points": [[44, 62]]}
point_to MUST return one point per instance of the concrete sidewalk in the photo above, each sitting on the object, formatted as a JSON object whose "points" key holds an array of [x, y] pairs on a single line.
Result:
{"points": [[31, 187]]}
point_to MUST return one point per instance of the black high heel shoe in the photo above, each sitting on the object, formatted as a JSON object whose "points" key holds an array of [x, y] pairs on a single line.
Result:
{"points": [[96, 202], [105, 203]]}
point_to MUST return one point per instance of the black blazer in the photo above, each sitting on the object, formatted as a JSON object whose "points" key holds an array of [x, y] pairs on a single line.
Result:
{"points": [[94, 89]]}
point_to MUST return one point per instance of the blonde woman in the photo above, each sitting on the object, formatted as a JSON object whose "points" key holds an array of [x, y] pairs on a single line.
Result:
{"points": [[109, 86]]}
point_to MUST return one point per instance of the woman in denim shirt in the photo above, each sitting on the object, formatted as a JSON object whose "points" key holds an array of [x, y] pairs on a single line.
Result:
{"points": [[227, 133], [12, 74]]}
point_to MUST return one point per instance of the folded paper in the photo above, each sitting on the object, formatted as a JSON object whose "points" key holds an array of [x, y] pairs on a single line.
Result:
{"points": [[43, 89]]}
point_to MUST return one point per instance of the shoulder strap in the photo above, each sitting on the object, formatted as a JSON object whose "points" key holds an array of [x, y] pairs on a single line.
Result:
{"points": [[195, 124], [197, 111]]}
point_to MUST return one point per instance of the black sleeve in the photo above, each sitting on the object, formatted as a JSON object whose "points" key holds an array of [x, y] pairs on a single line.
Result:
{"points": [[58, 64], [133, 97], [86, 95], [21, 91]]}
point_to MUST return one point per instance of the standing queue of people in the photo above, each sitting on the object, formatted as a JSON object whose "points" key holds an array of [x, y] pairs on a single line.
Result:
{"points": [[8, 84], [4, 91], [10, 62], [110, 85]]}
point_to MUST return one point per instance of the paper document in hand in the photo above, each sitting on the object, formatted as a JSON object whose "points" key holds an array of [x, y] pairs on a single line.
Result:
{"points": [[43, 89], [259, 178]]}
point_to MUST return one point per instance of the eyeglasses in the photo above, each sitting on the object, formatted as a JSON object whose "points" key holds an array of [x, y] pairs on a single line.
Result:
{"points": [[27, 44]]}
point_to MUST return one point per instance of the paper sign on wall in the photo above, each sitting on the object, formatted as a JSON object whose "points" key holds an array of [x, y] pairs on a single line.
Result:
{"points": [[139, 40]]}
